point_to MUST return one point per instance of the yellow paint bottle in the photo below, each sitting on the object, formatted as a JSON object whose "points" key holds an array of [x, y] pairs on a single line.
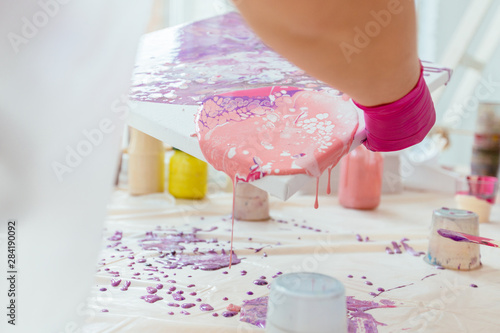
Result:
{"points": [[187, 176]]}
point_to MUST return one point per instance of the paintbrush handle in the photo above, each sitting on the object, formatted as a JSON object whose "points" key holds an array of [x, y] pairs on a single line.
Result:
{"points": [[463, 237]]}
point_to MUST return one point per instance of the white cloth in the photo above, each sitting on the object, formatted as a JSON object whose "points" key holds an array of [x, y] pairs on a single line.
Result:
{"points": [[65, 68]]}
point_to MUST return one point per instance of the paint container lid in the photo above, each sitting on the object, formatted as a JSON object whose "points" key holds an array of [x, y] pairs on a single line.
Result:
{"points": [[306, 302]]}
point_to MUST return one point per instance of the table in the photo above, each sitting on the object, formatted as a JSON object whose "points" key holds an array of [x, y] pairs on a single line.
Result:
{"points": [[298, 238]]}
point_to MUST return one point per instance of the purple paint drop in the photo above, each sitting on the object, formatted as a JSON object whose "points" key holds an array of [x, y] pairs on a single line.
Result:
{"points": [[125, 286], [260, 282], [396, 247], [198, 300], [350, 276], [172, 288], [206, 307], [249, 293], [187, 305], [116, 282], [171, 313], [140, 261], [193, 293], [225, 299], [243, 272], [117, 236], [103, 289], [369, 283], [159, 286], [225, 272], [473, 285], [151, 298], [363, 277], [359, 238], [151, 290], [178, 297], [380, 289], [184, 312], [229, 314], [191, 286], [215, 314], [425, 277], [262, 277], [409, 249], [104, 310], [175, 305]]}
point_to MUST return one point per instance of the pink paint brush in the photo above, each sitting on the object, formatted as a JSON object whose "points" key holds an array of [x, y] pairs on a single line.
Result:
{"points": [[462, 237]]}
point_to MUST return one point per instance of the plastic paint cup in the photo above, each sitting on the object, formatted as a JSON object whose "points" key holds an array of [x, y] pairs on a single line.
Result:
{"points": [[477, 194], [448, 253], [251, 203], [306, 302]]}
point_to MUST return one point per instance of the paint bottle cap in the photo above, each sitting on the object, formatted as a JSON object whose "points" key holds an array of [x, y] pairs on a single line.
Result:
{"points": [[306, 302]]}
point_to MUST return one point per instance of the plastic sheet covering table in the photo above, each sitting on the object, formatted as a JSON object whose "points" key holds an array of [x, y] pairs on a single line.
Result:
{"points": [[330, 240]]}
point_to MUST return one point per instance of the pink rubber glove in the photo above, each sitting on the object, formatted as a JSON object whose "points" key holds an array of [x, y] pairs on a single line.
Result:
{"points": [[402, 123]]}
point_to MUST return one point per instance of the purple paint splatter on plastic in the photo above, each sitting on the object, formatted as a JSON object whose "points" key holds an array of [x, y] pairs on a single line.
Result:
{"points": [[151, 298], [396, 247], [229, 314], [187, 64], [425, 277], [125, 286], [187, 305], [116, 282], [409, 249], [205, 261], [206, 307], [151, 290], [117, 236], [255, 311]]}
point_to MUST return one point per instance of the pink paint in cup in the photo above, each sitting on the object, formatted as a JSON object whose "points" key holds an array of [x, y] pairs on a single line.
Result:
{"points": [[477, 194]]}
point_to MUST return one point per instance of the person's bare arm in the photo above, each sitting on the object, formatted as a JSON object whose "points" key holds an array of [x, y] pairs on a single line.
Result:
{"points": [[343, 43]]}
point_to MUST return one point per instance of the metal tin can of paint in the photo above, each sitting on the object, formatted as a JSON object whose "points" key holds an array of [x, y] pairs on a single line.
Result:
{"points": [[486, 147]]}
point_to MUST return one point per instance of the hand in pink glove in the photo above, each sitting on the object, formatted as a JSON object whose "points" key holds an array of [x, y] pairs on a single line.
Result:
{"points": [[402, 123]]}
